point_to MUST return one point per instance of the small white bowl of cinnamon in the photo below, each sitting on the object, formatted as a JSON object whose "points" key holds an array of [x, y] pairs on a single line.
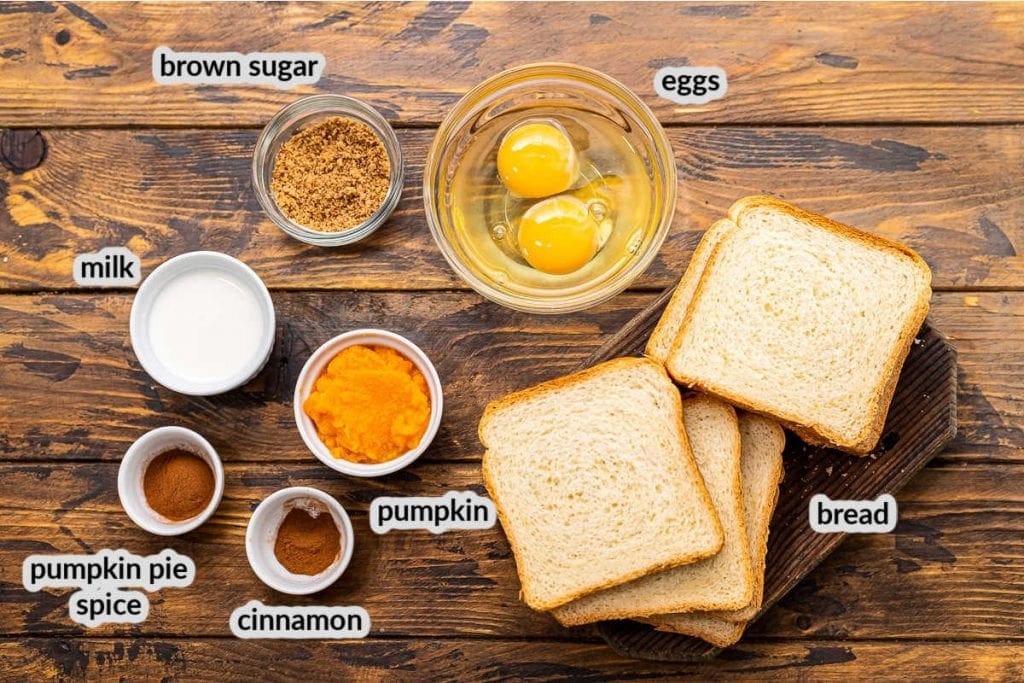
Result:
{"points": [[299, 540]]}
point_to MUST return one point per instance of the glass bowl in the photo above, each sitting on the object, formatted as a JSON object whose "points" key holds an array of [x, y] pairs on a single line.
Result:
{"points": [[301, 114], [532, 92]]}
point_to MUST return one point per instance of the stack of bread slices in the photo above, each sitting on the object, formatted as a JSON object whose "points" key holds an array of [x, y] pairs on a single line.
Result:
{"points": [[643, 488]]}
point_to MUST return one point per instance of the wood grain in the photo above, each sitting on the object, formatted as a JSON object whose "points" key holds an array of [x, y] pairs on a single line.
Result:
{"points": [[163, 192], [89, 64], [863, 586], [77, 347], [98, 156], [493, 660], [953, 569]]}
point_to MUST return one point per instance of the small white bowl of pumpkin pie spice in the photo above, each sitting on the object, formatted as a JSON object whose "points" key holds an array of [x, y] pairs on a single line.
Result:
{"points": [[328, 170], [170, 481]]}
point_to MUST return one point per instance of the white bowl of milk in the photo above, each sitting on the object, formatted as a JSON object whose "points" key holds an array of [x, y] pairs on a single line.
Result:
{"points": [[202, 323]]}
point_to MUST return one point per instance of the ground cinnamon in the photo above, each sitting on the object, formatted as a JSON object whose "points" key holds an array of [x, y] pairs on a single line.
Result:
{"points": [[331, 176], [178, 484], [307, 544]]}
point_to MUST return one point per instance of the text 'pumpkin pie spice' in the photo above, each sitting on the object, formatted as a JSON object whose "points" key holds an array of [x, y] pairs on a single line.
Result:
{"points": [[331, 176]]}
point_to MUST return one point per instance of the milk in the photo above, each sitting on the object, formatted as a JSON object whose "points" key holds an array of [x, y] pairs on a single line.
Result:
{"points": [[205, 325]]}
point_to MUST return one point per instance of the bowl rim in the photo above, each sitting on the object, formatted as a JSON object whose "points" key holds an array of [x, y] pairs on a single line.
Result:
{"points": [[342, 106], [314, 366], [133, 499], [146, 295], [479, 98], [255, 548]]}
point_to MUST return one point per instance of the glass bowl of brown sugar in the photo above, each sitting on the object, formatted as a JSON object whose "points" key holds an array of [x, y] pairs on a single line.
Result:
{"points": [[328, 170]]}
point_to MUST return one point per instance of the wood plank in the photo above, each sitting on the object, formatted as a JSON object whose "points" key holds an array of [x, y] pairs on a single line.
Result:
{"points": [[988, 332], [953, 569], [163, 192], [861, 588], [493, 660], [89, 64], [77, 347]]}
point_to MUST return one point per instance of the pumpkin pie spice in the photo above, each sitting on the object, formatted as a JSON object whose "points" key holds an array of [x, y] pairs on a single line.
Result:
{"points": [[178, 484]]}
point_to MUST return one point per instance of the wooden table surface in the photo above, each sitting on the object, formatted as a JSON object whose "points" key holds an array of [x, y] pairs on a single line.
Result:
{"points": [[902, 119]]}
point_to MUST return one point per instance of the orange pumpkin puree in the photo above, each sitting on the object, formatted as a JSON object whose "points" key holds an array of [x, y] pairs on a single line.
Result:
{"points": [[371, 404]]}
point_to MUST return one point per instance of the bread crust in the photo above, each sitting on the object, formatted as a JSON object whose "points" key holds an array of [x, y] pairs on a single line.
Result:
{"points": [[665, 332], [693, 603], [730, 636], [723, 628], [750, 611], [816, 434], [689, 463]]}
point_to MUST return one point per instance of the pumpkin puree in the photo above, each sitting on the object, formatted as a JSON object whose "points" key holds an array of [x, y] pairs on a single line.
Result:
{"points": [[370, 405]]}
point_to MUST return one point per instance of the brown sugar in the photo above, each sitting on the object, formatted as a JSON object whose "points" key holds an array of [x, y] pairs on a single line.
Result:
{"points": [[178, 484], [306, 544], [331, 176]]}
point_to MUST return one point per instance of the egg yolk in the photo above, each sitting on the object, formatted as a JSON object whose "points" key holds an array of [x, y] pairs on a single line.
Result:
{"points": [[537, 160], [558, 235]]}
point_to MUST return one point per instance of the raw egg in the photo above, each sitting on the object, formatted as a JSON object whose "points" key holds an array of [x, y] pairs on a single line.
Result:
{"points": [[558, 235], [603, 195], [537, 159]]}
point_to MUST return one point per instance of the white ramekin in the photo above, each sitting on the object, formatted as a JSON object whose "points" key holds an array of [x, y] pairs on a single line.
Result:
{"points": [[261, 534], [143, 304], [133, 469], [316, 365]]}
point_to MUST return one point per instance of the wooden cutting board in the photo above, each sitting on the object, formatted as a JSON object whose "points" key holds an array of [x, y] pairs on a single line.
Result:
{"points": [[921, 421]]}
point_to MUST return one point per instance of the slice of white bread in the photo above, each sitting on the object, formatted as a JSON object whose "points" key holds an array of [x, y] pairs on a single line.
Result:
{"points": [[805, 320], [725, 581], [718, 632], [659, 345], [761, 473], [594, 481]]}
